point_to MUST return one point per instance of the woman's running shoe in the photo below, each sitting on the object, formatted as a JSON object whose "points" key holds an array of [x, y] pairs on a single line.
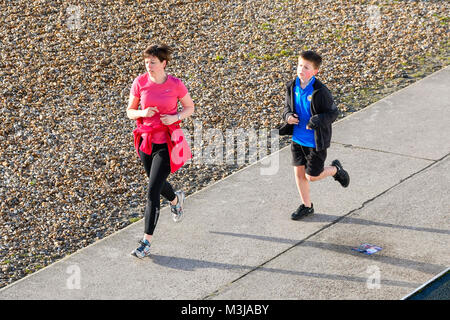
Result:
{"points": [[177, 210], [143, 250]]}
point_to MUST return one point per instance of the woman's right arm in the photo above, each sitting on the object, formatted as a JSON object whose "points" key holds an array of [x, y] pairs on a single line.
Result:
{"points": [[132, 110]]}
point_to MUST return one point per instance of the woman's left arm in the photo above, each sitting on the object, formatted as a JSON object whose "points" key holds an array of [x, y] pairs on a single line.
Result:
{"points": [[188, 109]]}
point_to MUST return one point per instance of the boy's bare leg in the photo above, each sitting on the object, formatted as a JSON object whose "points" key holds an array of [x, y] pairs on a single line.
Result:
{"points": [[302, 185], [327, 172]]}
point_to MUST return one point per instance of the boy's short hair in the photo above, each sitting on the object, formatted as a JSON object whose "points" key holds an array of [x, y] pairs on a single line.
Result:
{"points": [[313, 57]]}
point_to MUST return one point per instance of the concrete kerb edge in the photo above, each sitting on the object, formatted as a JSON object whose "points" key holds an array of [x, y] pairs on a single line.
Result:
{"points": [[132, 224], [392, 94], [208, 186], [425, 284], [66, 257]]}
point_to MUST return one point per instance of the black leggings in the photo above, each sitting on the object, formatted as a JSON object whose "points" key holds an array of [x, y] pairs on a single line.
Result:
{"points": [[157, 167]]}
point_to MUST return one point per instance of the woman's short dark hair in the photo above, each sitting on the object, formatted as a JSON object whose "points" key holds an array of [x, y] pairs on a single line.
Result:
{"points": [[162, 52], [313, 57]]}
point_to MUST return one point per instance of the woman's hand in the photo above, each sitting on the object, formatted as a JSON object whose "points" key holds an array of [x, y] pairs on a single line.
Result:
{"points": [[149, 112], [168, 119], [188, 109]]}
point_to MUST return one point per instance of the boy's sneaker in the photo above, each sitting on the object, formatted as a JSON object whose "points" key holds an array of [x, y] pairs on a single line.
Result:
{"points": [[341, 175], [302, 211], [143, 250], [177, 210]]}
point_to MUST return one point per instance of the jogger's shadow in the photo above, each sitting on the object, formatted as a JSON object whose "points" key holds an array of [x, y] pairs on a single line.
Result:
{"points": [[187, 264], [321, 217]]}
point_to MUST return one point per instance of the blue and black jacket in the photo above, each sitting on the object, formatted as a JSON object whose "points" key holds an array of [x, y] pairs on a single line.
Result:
{"points": [[323, 110]]}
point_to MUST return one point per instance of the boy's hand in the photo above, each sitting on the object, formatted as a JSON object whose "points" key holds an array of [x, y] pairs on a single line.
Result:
{"points": [[293, 119], [313, 123]]}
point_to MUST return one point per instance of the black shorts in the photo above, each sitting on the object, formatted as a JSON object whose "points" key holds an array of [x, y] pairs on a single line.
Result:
{"points": [[309, 157]]}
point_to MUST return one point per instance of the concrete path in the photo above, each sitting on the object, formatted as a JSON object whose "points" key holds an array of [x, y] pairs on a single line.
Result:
{"points": [[237, 240]]}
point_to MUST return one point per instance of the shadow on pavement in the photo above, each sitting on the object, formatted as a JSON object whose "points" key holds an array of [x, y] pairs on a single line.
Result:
{"points": [[405, 263]]}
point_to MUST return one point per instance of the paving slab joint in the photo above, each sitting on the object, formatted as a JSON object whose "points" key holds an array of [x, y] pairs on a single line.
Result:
{"points": [[347, 145], [224, 287]]}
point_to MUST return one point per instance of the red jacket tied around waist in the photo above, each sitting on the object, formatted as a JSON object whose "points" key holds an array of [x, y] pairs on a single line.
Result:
{"points": [[179, 150]]}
